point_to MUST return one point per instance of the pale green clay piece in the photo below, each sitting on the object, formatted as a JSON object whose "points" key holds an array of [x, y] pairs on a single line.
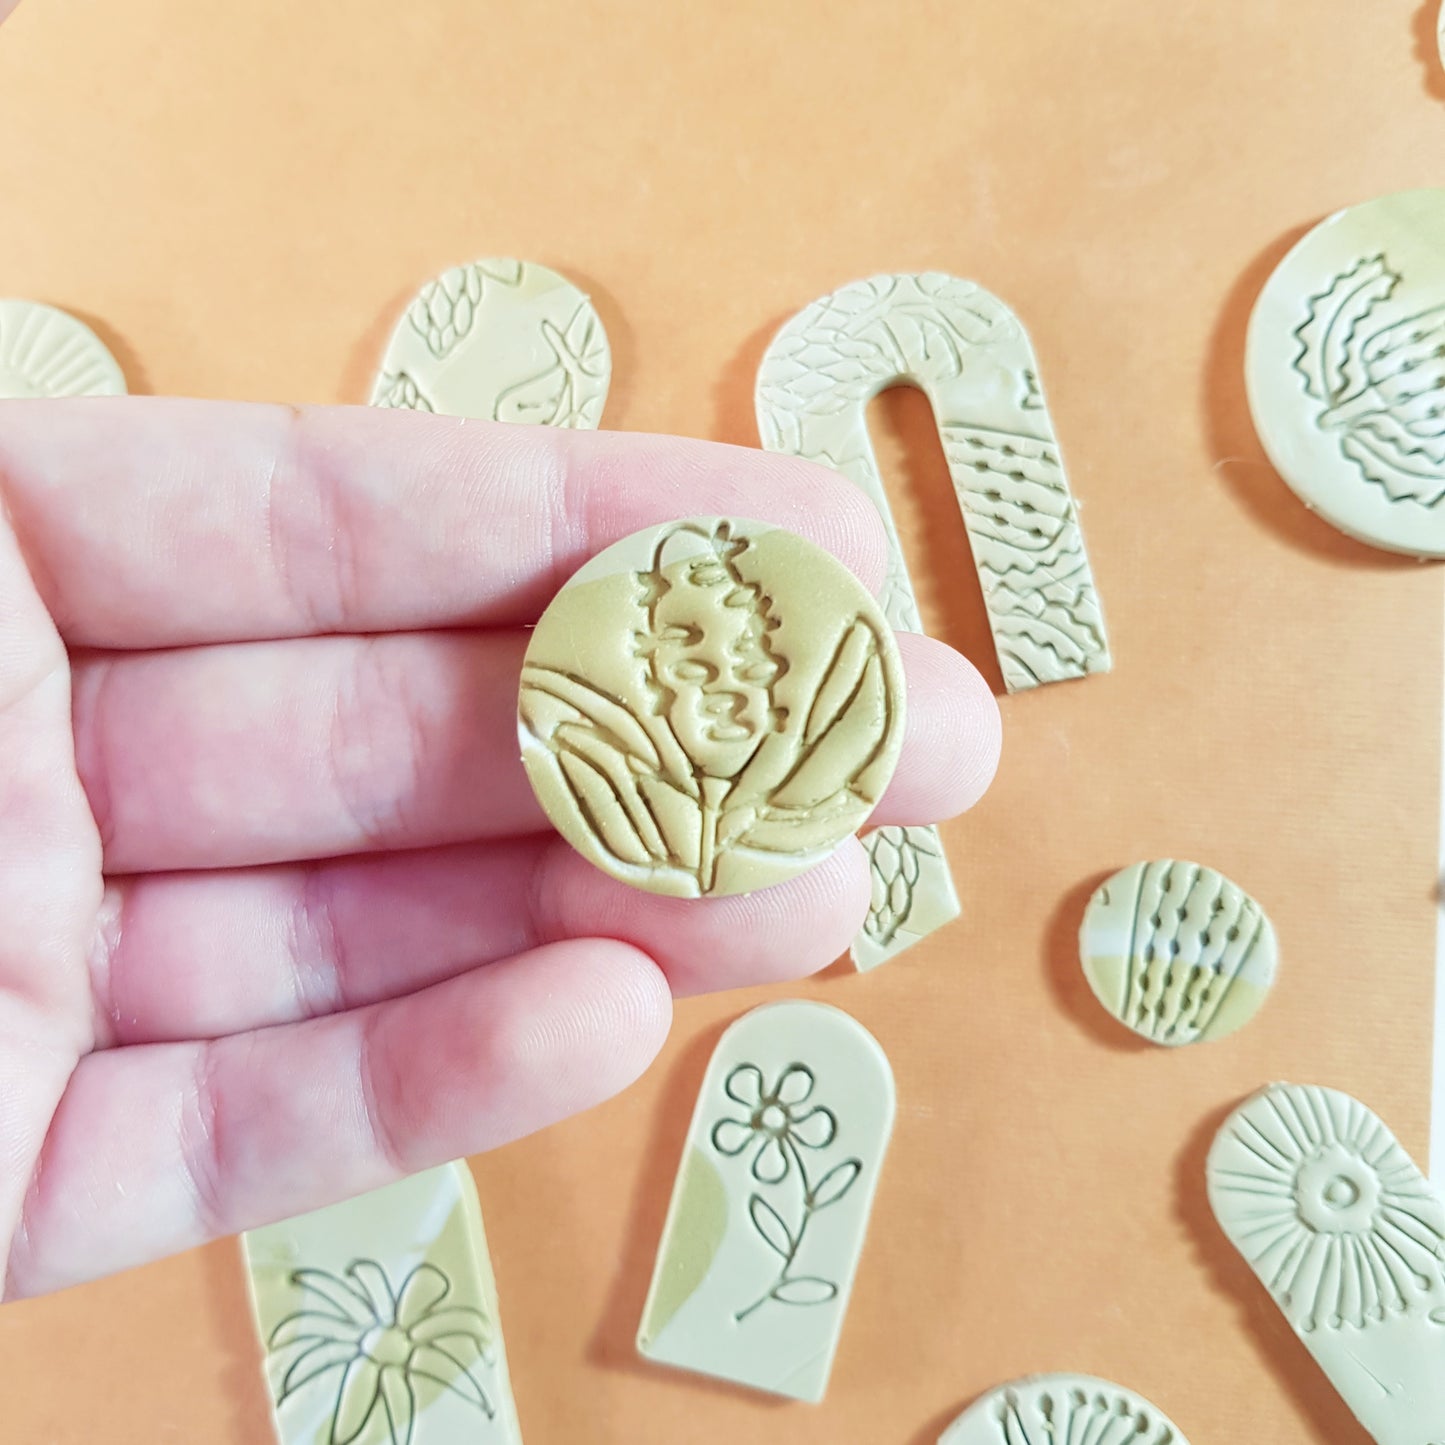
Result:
{"points": [[1348, 1237], [772, 1200], [1177, 952], [503, 340], [45, 352], [1345, 367], [379, 1319], [710, 706], [968, 352], [1062, 1410]]}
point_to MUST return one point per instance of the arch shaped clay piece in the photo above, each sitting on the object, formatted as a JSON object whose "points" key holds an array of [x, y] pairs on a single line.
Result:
{"points": [[771, 1203], [1346, 1234], [969, 353], [503, 340], [46, 352], [1062, 1410]]}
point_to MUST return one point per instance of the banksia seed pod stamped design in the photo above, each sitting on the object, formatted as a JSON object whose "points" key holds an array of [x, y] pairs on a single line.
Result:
{"points": [[1345, 365], [710, 706]]}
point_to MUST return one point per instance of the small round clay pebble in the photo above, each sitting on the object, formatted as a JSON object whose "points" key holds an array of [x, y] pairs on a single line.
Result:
{"points": [[1345, 365], [1177, 952], [710, 706]]}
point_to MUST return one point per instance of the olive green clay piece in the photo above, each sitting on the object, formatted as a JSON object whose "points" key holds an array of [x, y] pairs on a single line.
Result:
{"points": [[1345, 365], [710, 706], [1062, 1410], [771, 1203], [48, 353], [1348, 1237], [1177, 952], [503, 340], [379, 1319], [969, 353]]}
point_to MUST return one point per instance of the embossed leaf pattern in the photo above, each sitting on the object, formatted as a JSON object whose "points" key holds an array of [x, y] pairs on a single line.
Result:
{"points": [[769, 1224], [835, 1183], [400, 389], [842, 759], [895, 863], [445, 309], [805, 1289], [569, 392]]}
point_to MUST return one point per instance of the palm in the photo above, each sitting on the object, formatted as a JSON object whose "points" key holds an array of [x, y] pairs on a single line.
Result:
{"points": [[281, 916]]}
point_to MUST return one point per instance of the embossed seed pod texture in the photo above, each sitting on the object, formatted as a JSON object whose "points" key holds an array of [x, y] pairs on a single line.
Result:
{"points": [[1177, 952], [710, 706], [1345, 365]]}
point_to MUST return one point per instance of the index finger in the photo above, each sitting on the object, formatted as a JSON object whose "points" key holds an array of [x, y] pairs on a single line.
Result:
{"points": [[159, 522]]}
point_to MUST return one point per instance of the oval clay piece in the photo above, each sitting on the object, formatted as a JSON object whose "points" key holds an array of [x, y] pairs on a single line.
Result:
{"points": [[1346, 1234], [710, 706]]}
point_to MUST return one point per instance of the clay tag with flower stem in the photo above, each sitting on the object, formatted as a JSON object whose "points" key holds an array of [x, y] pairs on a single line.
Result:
{"points": [[1348, 1236], [771, 1203], [710, 706], [378, 1317]]}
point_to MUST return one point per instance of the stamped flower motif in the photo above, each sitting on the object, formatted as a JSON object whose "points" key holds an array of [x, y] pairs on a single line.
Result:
{"points": [[1328, 1209], [777, 1123], [382, 1341], [779, 1126]]}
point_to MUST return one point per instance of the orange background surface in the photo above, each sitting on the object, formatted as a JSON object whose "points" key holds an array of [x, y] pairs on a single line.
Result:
{"points": [[241, 197]]}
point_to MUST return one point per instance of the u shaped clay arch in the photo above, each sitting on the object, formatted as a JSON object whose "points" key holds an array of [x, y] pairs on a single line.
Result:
{"points": [[971, 356]]}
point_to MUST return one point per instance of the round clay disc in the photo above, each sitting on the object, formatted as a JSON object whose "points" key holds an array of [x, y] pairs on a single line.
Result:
{"points": [[1345, 367], [46, 352], [710, 706], [1062, 1410], [1177, 952]]}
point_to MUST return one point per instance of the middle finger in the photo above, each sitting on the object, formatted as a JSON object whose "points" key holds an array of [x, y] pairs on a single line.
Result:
{"points": [[266, 752]]}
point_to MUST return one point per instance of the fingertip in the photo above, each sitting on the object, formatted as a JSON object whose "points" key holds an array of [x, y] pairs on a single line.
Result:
{"points": [[954, 736], [600, 1012]]}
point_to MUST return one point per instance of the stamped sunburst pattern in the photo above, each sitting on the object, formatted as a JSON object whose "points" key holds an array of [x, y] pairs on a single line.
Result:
{"points": [[1329, 1210], [48, 353]]}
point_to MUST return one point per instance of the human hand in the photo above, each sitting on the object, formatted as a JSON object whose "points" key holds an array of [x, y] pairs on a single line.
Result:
{"points": [[281, 917]]}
